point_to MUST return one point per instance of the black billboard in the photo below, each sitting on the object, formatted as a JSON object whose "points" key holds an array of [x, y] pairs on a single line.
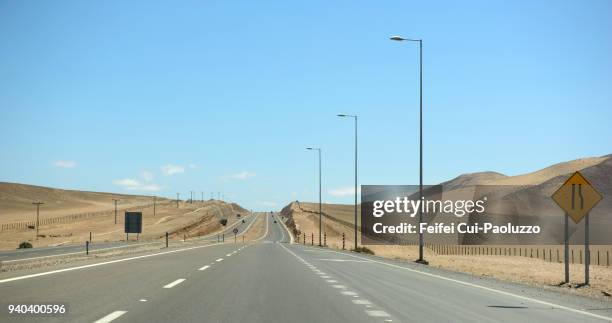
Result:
{"points": [[133, 222]]}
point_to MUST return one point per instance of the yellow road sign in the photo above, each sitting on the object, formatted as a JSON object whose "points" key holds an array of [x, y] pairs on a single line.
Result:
{"points": [[576, 197]]}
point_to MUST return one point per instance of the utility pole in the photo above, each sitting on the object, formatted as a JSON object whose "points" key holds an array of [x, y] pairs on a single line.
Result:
{"points": [[154, 202], [202, 197], [177, 199], [38, 204], [115, 200]]}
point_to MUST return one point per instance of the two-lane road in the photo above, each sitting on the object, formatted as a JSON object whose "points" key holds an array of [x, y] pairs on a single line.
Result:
{"points": [[271, 280]]}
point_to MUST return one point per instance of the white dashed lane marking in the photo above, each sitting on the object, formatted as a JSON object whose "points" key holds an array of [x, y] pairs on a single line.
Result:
{"points": [[361, 302], [174, 283], [367, 304], [204, 268], [376, 313], [110, 317], [220, 259]]}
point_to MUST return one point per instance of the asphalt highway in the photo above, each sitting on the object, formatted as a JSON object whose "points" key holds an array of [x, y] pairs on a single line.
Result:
{"points": [[272, 280]]}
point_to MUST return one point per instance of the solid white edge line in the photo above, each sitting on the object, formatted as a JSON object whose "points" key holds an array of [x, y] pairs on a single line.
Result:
{"points": [[493, 290], [291, 239], [110, 317], [6, 280], [174, 283]]}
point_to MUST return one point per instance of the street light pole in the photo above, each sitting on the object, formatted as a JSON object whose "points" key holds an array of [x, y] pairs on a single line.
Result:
{"points": [[177, 199], [320, 212], [38, 204], [399, 38], [354, 117], [115, 200]]}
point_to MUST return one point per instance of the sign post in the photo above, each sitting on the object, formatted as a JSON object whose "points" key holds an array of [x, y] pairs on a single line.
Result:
{"points": [[577, 197], [235, 232]]}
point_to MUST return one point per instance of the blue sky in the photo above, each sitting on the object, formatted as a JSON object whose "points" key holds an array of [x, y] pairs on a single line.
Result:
{"points": [[219, 96]]}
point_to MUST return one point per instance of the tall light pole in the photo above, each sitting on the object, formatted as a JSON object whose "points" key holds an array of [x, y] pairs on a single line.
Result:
{"points": [[177, 199], [354, 117], [38, 204], [202, 197], [154, 202], [320, 213], [420, 41], [115, 200]]}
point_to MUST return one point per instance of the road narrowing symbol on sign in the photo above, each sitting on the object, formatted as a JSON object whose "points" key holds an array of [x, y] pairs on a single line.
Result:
{"points": [[576, 197]]}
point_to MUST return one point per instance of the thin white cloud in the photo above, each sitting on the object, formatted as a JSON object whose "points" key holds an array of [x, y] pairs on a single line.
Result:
{"points": [[294, 194], [65, 163], [135, 185], [170, 169], [344, 191], [147, 176], [126, 182], [240, 176]]}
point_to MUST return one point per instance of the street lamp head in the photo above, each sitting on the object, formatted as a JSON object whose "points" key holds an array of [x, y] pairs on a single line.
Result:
{"points": [[397, 38], [342, 115], [309, 148]]}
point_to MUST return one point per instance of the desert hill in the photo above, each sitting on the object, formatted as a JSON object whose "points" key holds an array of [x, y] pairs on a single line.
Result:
{"points": [[16, 201]]}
